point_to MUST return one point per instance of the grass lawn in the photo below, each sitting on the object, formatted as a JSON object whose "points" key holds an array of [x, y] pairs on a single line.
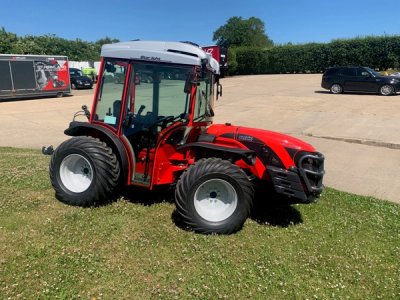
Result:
{"points": [[345, 246]]}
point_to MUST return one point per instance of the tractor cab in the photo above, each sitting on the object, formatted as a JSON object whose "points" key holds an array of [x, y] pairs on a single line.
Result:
{"points": [[153, 100]]}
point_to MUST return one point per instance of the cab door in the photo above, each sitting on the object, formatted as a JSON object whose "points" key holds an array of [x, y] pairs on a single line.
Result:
{"points": [[157, 101]]}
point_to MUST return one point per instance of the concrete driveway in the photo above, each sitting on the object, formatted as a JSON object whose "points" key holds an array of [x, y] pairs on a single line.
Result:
{"points": [[359, 134]]}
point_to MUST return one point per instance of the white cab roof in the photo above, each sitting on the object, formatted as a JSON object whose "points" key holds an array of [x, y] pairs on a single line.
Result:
{"points": [[158, 51]]}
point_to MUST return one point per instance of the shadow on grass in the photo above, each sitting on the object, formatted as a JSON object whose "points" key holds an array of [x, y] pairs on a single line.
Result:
{"points": [[269, 208], [273, 209], [145, 197]]}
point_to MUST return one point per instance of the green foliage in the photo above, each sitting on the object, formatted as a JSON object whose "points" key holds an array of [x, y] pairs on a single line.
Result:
{"points": [[51, 45], [238, 32], [342, 247], [7, 39], [232, 65], [375, 52], [106, 40]]}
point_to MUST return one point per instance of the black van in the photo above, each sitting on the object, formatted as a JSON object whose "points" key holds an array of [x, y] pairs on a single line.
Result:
{"points": [[359, 79]]}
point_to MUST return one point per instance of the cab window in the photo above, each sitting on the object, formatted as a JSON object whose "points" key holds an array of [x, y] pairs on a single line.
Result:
{"points": [[204, 98], [109, 100], [157, 93]]}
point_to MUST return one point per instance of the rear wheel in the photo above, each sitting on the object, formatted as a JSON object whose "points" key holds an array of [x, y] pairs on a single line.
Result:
{"points": [[84, 171], [214, 196], [386, 90], [336, 89]]}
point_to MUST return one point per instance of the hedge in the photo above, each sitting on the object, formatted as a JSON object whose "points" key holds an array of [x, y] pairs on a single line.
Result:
{"points": [[379, 53], [50, 44]]}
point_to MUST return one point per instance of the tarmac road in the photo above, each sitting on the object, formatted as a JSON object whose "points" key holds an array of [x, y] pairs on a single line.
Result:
{"points": [[358, 134]]}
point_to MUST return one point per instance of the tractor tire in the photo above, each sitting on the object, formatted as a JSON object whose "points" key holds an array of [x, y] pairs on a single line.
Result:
{"points": [[84, 171], [214, 196]]}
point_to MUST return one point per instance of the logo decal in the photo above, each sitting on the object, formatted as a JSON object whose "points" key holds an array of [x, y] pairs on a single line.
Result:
{"points": [[246, 138], [153, 58]]}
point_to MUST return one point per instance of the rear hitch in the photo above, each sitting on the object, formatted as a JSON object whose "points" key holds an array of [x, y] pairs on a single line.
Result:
{"points": [[48, 150]]}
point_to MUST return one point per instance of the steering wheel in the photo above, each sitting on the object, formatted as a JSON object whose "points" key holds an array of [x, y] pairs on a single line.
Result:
{"points": [[163, 121]]}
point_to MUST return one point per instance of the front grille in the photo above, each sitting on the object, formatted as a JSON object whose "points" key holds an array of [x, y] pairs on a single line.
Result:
{"points": [[311, 168]]}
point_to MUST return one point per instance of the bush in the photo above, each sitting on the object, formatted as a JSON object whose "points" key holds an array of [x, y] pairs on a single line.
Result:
{"points": [[232, 65], [50, 44], [376, 52]]}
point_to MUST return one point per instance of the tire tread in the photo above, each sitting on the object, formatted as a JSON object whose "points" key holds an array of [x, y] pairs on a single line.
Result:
{"points": [[202, 168], [106, 167]]}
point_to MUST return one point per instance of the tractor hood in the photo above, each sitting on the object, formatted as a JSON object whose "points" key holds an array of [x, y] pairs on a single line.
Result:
{"points": [[260, 136]]}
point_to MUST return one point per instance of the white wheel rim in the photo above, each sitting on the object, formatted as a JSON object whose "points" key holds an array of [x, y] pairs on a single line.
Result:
{"points": [[336, 88], [215, 200], [76, 173], [386, 90]]}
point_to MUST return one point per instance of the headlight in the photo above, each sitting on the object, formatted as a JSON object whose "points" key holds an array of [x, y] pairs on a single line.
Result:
{"points": [[78, 81], [395, 81]]}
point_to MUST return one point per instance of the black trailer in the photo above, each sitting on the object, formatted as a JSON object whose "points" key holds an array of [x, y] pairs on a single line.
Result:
{"points": [[24, 76]]}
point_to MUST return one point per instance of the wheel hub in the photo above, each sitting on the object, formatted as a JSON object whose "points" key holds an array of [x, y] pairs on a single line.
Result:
{"points": [[336, 88], [76, 173], [386, 90], [213, 195], [215, 200]]}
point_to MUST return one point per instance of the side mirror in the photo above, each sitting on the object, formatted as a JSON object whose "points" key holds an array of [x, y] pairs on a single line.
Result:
{"points": [[219, 90], [110, 68], [86, 111]]}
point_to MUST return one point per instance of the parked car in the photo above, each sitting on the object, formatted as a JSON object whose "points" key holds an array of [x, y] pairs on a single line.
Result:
{"points": [[79, 80], [397, 74], [359, 79]]}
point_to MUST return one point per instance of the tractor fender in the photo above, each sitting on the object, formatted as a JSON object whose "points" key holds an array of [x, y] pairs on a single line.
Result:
{"points": [[83, 128], [249, 156]]}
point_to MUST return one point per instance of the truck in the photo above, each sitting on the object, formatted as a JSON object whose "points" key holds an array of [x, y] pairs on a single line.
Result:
{"points": [[24, 76], [160, 134]]}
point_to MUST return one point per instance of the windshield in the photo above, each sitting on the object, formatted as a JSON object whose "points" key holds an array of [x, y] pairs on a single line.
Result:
{"points": [[204, 98], [374, 73], [76, 73]]}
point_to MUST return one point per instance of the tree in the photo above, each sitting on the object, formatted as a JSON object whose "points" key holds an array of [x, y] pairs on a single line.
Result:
{"points": [[106, 40], [7, 39], [239, 32]]}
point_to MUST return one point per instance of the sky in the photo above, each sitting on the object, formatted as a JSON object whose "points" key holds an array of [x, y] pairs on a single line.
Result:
{"points": [[294, 21]]}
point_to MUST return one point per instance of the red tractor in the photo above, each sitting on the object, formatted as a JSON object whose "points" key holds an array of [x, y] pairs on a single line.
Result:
{"points": [[160, 133]]}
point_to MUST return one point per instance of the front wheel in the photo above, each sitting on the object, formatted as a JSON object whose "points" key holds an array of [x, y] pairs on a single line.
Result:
{"points": [[386, 90], [84, 171], [214, 196]]}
